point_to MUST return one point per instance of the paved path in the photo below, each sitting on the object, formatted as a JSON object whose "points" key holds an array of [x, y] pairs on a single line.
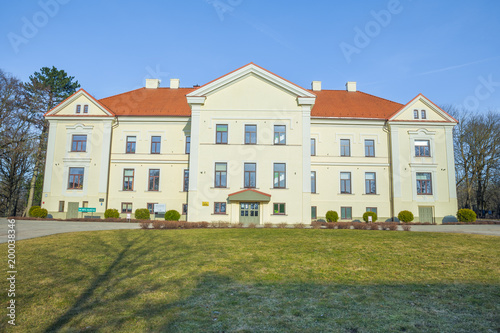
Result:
{"points": [[31, 229], [481, 229]]}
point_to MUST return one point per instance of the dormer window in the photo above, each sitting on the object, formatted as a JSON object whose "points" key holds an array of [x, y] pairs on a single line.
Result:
{"points": [[78, 108], [415, 114], [85, 109], [423, 114]]}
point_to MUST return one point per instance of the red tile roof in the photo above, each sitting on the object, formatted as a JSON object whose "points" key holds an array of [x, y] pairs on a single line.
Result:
{"points": [[348, 104], [172, 102], [150, 102]]}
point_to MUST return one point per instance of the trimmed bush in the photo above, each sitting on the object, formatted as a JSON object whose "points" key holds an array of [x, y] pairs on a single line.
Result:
{"points": [[282, 225], [332, 216], [36, 212], [142, 214], [111, 213], [372, 214], [405, 216], [43, 213], [145, 225], [172, 215], [30, 212], [466, 215]]}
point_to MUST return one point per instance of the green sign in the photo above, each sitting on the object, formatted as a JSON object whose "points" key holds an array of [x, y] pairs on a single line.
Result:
{"points": [[86, 210]]}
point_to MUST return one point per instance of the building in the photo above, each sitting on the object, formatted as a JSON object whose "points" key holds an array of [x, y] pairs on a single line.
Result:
{"points": [[253, 147]]}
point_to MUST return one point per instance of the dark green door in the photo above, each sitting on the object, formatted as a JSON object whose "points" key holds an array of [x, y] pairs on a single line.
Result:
{"points": [[250, 212], [425, 214], [72, 210]]}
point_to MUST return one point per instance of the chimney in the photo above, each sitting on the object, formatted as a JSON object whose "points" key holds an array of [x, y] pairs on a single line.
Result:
{"points": [[316, 85], [152, 83], [174, 83], [351, 86]]}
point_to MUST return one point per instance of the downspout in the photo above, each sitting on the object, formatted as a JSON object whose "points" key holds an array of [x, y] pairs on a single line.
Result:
{"points": [[391, 170], [113, 126]]}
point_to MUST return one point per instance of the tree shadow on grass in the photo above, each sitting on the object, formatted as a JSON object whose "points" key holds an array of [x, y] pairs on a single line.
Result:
{"points": [[221, 304]]}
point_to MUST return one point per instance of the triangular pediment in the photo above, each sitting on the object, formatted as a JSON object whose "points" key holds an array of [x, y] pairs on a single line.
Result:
{"points": [[251, 70], [87, 105], [425, 110]]}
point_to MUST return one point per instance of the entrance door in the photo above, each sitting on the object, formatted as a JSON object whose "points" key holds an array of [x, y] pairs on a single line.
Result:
{"points": [[72, 210], [425, 214], [249, 212]]}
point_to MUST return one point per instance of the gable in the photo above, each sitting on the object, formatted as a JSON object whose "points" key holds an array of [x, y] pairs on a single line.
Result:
{"points": [[250, 92], [81, 98], [420, 103]]}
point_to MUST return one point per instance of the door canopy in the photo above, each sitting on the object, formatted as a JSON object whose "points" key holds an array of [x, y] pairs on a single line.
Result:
{"points": [[250, 195]]}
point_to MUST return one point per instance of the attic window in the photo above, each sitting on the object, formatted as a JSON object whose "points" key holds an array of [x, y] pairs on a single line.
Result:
{"points": [[78, 108], [85, 109], [415, 114], [424, 115]]}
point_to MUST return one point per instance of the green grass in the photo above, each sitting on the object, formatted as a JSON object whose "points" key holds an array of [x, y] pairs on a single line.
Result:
{"points": [[258, 280]]}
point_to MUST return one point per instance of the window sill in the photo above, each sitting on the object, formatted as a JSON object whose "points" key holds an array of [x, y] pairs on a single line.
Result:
{"points": [[371, 194], [219, 188], [249, 188], [279, 214], [345, 193], [279, 188], [148, 191], [126, 191], [74, 189], [219, 214]]}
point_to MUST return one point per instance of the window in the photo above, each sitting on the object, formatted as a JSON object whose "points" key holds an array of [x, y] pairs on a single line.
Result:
{"points": [[279, 175], [186, 180], [85, 109], [279, 208], [79, 143], [424, 183], [128, 179], [345, 147], [184, 209], [126, 207], [85, 204], [75, 178], [250, 134], [369, 148], [151, 208], [130, 149], [415, 114], [279, 134], [314, 214], [154, 180], [221, 134], [250, 179], [61, 206], [188, 144], [424, 115], [370, 183], [372, 209], [313, 181], [346, 213], [422, 148], [220, 174], [78, 108], [155, 144], [313, 147], [219, 208], [345, 182]]}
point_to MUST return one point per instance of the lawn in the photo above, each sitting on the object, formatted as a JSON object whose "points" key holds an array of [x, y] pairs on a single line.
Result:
{"points": [[257, 280]]}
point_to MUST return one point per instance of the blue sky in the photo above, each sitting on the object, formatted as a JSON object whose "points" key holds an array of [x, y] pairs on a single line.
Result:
{"points": [[447, 50]]}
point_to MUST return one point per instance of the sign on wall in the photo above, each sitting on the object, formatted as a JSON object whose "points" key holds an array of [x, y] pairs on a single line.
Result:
{"points": [[204, 203], [86, 210], [160, 208]]}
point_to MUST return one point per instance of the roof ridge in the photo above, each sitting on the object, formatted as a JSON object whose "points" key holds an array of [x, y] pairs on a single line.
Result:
{"points": [[123, 93], [385, 99]]}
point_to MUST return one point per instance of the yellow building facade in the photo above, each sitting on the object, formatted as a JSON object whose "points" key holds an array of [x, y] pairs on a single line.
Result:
{"points": [[250, 147]]}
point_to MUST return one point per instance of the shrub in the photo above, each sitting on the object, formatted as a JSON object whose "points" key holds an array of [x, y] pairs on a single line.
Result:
{"points": [[30, 212], [344, 225], [372, 226], [237, 225], [252, 225], [360, 226], [172, 215], [466, 215], [268, 225], [405, 216], [406, 227], [282, 225], [36, 212], [111, 213], [372, 214], [317, 225], [392, 226], [43, 213], [331, 225], [158, 224], [332, 216], [142, 214], [299, 226], [144, 225]]}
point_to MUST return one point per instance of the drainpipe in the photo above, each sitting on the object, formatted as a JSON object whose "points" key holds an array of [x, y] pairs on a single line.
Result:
{"points": [[113, 126], [391, 170]]}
